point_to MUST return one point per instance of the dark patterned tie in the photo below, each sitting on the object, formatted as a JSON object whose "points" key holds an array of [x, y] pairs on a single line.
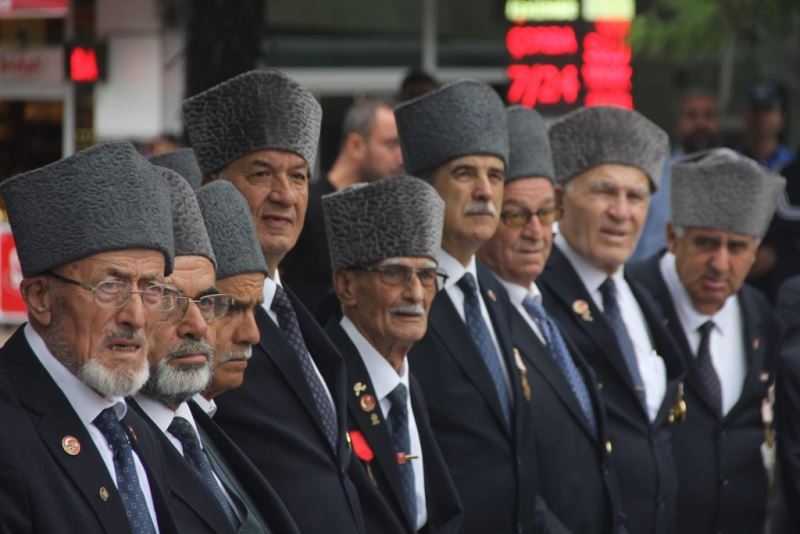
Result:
{"points": [[398, 423], [558, 348], [613, 315], [193, 452], [705, 366], [479, 331], [291, 331], [125, 468]]}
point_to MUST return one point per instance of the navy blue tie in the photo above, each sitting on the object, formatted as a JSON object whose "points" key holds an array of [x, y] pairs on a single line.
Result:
{"points": [[130, 490], [398, 423], [560, 352], [705, 366], [479, 331], [287, 320], [613, 315], [193, 452]]}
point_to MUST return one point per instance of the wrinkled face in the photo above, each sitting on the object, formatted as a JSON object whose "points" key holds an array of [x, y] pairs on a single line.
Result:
{"points": [[387, 314], [711, 264], [181, 349], [382, 156], [236, 332], [603, 210], [275, 185], [519, 254], [698, 123], [472, 189], [105, 348]]}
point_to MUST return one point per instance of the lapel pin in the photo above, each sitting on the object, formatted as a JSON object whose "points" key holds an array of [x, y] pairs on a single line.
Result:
{"points": [[132, 434], [581, 308], [71, 445], [756, 343], [491, 295], [763, 377], [523, 375], [359, 388], [103, 493], [374, 419], [367, 403], [402, 457]]}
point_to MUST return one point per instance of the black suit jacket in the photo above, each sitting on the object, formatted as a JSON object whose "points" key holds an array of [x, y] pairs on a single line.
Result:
{"points": [[493, 465], [787, 427], [721, 474], [44, 489], [252, 487], [192, 504], [576, 476], [273, 419], [443, 505], [643, 457]]}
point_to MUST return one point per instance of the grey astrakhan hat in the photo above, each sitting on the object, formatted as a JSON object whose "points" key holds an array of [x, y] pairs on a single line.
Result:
{"points": [[188, 228], [587, 137], [459, 119], [529, 154], [253, 111], [400, 216], [184, 163], [104, 198], [721, 189], [230, 227]]}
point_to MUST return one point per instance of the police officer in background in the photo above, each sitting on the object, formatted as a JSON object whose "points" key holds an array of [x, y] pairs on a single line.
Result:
{"points": [[722, 203]]}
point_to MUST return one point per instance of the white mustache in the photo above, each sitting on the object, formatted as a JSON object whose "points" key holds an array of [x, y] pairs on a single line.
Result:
{"points": [[410, 309], [480, 207], [244, 354]]}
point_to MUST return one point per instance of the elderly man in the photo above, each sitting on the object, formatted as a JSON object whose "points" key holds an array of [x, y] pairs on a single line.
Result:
{"points": [[383, 238], [456, 137], [575, 475], [370, 151], [94, 238], [721, 206], [240, 274], [607, 161], [264, 140], [180, 366]]}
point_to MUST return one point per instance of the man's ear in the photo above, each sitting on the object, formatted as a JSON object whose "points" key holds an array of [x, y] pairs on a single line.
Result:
{"points": [[672, 239], [37, 292], [344, 282], [356, 145], [559, 192]]}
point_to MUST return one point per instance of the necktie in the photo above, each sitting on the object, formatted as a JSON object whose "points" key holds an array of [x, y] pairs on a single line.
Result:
{"points": [[291, 330], [193, 452], [613, 315], [127, 479], [706, 367], [479, 332], [398, 422], [562, 356]]}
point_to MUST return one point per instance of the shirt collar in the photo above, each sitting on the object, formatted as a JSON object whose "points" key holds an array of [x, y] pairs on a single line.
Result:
{"points": [[591, 276], [86, 402], [207, 405], [383, 376], [453, 268], [518, 293], [157, 411], [689, 316], [270, 286]]}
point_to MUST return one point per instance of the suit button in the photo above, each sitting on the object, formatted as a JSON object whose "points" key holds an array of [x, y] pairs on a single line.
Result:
{"points": [[662, 502], [519, 461], [723, 433], [725, 482]]}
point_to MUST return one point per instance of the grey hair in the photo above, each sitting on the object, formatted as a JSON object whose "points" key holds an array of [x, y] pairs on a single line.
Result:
{"points": [[360, 117]]}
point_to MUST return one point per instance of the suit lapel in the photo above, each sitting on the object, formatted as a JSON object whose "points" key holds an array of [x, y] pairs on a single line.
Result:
{"points": [[376, 435], [755, 346], [445, 323]]}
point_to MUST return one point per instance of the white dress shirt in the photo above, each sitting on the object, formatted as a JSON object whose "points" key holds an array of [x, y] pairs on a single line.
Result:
{"points": [[517, 294], [207, 405], [88, 404], [454, 270], [270, 286], [651, 366], [162, 416], [384, 379], [726, 343]]}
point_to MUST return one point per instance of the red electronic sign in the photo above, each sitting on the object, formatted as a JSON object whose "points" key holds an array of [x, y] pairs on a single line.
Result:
{"points": [[557, 64], [12, 306], [85, 63]]}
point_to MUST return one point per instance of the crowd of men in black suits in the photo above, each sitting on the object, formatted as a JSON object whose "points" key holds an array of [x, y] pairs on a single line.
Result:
{"points": [[481, 359]]}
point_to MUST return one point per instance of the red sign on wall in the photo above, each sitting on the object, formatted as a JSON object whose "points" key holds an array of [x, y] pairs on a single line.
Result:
{"points": [[12, 307]]}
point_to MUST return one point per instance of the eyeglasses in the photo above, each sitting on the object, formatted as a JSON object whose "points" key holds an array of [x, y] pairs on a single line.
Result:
{"points": [[113, 294], [520, 217], [211, 307], [396, 275]]}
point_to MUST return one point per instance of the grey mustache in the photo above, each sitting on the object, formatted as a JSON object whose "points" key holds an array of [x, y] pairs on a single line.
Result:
{"points": [[411, 309], [476, 207], [243, 354], [191, 347]]}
